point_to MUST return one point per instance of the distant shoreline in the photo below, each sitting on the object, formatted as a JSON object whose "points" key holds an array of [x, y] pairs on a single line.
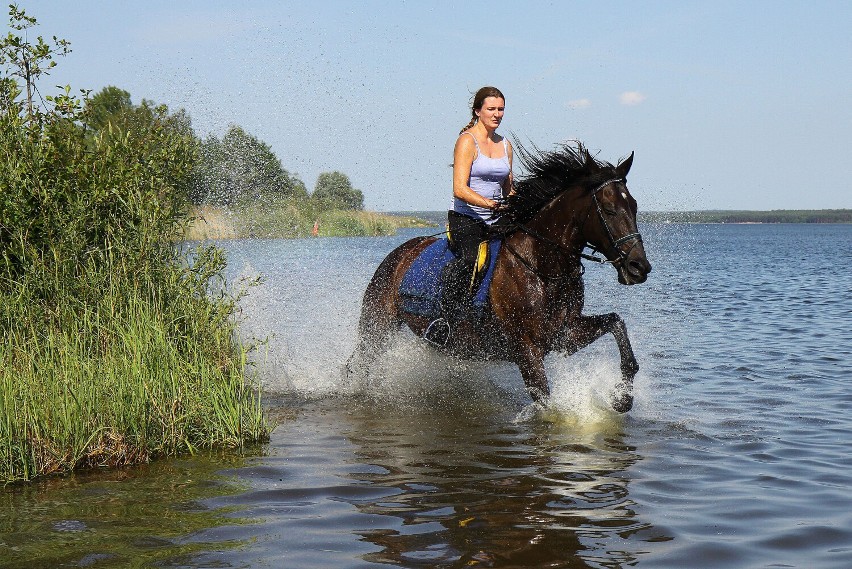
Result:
{"points": [[749, 217], [218, 223], [289, 221], [703, 216]]}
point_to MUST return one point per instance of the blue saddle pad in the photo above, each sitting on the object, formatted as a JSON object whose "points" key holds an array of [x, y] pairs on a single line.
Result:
{"points": [[422, 286]]}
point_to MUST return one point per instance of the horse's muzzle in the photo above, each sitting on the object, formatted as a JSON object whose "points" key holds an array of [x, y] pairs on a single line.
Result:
{"points": [[634, 270]]}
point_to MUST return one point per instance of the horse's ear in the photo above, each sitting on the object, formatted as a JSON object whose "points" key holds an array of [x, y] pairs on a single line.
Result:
{"points": [[591, 164], [624, 167]]}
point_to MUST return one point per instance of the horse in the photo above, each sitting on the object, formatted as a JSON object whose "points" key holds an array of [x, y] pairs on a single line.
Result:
{"points": [[567, 201]]}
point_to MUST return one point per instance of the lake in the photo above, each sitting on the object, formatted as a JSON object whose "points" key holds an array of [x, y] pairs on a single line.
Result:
{"points": [[737, 452]]}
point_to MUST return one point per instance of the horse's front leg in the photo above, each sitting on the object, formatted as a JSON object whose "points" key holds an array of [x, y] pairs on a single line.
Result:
{"points": [[583, 330], [530, 360]]}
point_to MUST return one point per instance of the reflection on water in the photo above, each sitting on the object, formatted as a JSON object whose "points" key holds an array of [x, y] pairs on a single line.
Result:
{"points": [[471, 487], [429, 483], [131, 517]]}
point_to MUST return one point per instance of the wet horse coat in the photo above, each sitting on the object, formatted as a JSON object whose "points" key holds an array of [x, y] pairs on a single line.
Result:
{"points": [[567, 202]]}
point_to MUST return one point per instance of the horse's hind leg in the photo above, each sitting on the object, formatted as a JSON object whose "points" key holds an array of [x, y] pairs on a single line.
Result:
{"points": [[380, 311], [374, 333], [379, 314], [531, 363], [584, 330]]}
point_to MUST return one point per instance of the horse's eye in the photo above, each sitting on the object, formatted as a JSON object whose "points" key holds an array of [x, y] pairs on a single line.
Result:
{"points": [[609, 211]]}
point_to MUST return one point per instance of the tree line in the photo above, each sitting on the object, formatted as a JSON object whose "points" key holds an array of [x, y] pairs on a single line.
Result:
{"points": [[738, 216], [234, 171]]}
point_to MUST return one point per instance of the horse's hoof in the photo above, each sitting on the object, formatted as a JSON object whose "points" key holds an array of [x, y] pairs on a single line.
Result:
{"points": [[622, 401]]}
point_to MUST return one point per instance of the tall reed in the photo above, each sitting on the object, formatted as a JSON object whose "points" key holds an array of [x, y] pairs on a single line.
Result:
{"points": [[145, 371]]}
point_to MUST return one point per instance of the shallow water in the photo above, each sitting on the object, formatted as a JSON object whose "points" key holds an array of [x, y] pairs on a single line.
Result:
{"points": [[736, 454]]}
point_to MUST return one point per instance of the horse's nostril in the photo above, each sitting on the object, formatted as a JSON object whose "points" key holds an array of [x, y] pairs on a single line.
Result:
{"points": [[639, 268]]}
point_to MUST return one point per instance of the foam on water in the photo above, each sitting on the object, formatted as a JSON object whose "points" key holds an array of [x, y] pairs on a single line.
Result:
{"points": [[411, 370]]}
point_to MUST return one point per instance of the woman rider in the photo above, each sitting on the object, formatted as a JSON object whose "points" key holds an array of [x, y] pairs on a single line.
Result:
{"points": [[482, 176]]}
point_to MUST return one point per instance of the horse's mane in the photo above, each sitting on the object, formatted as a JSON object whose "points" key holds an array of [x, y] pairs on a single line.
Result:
{"points": [[550, 173]]}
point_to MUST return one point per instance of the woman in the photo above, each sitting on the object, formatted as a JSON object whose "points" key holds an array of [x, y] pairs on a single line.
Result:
{"points": [[482, 173], [482, 176]]}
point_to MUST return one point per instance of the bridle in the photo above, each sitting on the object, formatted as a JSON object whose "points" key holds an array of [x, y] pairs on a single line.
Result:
{"points": [[615, 243]]}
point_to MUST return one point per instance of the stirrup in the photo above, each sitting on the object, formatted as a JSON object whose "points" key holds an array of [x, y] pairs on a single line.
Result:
{"points": [[437, 332]]}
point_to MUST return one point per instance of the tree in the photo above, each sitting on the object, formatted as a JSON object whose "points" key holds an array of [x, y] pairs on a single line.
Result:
{"points": [[28, 60], [336, 189], [240, 169], [109, 103]]}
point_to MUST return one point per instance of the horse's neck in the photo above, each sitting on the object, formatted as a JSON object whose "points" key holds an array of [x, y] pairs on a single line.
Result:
{"points": [[561, 222], [553, 240]]}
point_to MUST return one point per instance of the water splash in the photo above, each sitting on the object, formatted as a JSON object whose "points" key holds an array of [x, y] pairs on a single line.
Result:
{"points": [[308, 309]]}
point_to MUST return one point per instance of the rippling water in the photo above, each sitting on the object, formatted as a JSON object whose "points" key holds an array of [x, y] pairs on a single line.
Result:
{"points": [[737, 453]]}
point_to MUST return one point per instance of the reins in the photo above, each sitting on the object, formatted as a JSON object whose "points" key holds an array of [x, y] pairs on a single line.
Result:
{"points": [[556, 245], [533, 269]]}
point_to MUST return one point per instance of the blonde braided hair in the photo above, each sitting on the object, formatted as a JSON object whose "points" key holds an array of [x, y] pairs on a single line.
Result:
{"points": [[477, 102]]}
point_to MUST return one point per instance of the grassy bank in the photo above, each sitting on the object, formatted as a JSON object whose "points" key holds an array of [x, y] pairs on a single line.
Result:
{"points": [[139, 373], [293, 219], [117, 346]]}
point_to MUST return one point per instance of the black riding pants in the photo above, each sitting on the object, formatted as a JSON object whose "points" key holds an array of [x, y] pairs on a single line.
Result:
{"points": [[466, 233]]}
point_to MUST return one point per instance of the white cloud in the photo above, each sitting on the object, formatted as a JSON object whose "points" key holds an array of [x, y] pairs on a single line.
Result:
{"points": [[579, 104], [631, 98]]}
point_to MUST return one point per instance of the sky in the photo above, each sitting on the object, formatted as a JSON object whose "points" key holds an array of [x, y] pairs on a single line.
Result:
{"points": [[727, 105]]}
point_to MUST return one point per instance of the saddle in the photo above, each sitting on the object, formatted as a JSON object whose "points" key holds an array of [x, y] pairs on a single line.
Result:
{"points": [[422, 287]]}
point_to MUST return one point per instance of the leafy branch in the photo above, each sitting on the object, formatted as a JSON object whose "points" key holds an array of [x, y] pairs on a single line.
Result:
{"points": [[29, 60]]}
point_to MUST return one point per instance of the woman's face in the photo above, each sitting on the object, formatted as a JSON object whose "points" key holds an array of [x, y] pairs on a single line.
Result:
{"points": [[491, 112]]}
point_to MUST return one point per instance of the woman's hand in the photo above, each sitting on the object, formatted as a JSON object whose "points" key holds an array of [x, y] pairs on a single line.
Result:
{"points": [[498, 207]]}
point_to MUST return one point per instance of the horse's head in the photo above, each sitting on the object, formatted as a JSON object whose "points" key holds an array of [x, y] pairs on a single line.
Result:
{"points": [[568, 199], [610, 225]]}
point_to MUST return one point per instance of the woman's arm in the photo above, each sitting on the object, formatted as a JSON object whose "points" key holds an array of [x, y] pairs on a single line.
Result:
{"points": [[463, 156]]}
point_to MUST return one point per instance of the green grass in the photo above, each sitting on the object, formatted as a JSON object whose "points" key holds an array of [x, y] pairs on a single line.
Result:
{"points": [[147, 370], [118, 346]]}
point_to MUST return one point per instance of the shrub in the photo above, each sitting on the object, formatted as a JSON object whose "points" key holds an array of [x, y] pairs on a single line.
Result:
{"points": [[119, 346]]}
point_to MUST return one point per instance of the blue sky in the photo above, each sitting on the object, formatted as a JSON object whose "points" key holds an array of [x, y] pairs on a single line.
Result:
{"points": [[728, 105]]}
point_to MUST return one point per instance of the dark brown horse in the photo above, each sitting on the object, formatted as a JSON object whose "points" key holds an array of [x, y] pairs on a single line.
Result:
{"points": [[566, 202]]}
